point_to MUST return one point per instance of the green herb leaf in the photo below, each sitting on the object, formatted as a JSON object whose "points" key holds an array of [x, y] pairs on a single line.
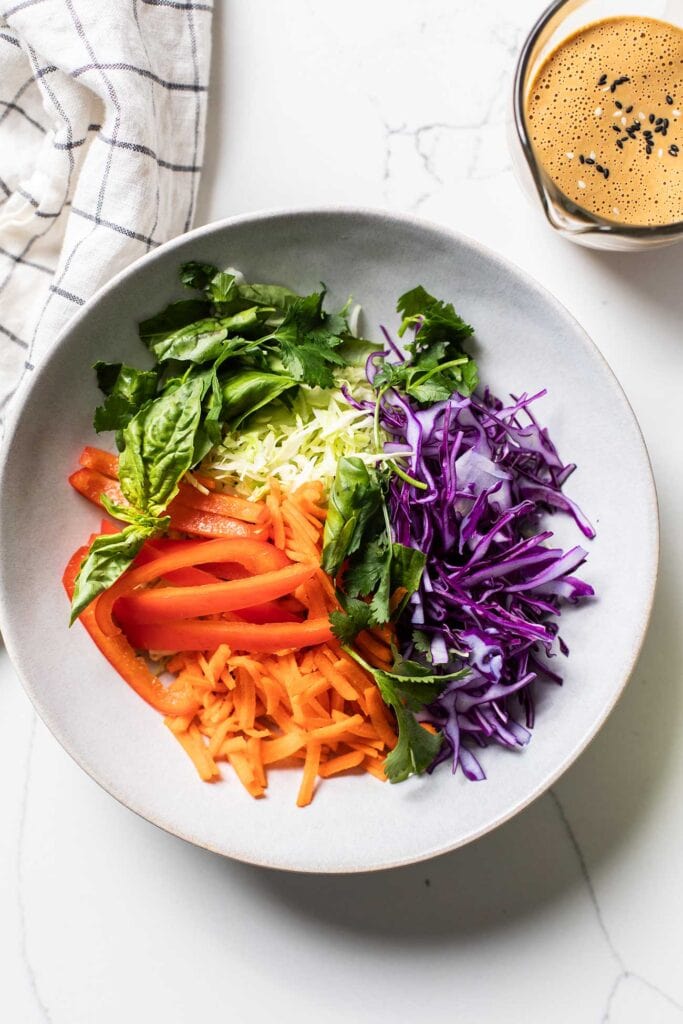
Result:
{"points": [[356, 616], [246, 391], [407, 688], [197, 342], [178, 314], [109, 556], [159, 446], [354, 500], [127, 390], [307, 339], [271, 295]]}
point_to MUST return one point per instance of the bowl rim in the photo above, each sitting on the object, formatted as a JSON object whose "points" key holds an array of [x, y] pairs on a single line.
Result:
{"points": [[29, 381]]}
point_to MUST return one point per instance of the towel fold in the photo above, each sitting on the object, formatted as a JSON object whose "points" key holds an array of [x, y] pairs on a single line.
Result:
{"points": [[102, 111]]}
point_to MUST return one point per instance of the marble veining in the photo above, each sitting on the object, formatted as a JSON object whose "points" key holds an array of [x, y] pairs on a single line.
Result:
{"points": [[625, 974], [389, 86]]}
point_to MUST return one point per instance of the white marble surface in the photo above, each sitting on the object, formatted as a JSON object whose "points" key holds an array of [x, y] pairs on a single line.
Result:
{"points": [[571, 912]]}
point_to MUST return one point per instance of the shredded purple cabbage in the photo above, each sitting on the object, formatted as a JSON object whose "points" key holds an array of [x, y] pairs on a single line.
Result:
{"points": [[492, 588]]}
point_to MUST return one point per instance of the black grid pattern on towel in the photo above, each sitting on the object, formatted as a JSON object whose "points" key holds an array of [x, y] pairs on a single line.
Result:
{"points": [[126, 120]]}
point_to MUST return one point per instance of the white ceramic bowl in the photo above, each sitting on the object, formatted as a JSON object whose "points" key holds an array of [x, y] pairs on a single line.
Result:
{"points": [[525, 341]]}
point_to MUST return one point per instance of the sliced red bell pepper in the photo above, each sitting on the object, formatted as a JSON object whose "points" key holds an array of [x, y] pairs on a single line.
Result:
{"points": [[256, 556], [206, 635], [223, 504], [228, 505], [189, 577], [164, 604], [92, 484], [103, 462], [269, 611], [119, 653], [209, 524]]}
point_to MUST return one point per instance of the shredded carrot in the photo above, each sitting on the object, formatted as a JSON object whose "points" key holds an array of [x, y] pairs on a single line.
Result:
{"points": [[311, 765], [314, 710]]}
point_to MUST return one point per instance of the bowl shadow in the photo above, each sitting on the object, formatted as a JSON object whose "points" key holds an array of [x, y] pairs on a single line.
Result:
{"points": [[516, 871]]}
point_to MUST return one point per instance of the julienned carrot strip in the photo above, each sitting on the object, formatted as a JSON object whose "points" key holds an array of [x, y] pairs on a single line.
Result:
{"points": [[333, 677], [311, 765], [375, 652], [277, 522], [343, 763], [336, 729], [375, 768], [193, 744], [311, 707], [379, 717]]}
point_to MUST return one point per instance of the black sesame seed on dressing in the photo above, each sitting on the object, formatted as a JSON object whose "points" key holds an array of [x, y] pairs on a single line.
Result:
{"points": [[602, 150]]}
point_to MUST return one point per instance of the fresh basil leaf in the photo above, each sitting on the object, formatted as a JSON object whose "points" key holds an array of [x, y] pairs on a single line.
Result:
{"points": [[109, 556], [246, 391], [354, 500], [159, 446], [197, 342], [127, 391], [271, 295], [178, 314]]}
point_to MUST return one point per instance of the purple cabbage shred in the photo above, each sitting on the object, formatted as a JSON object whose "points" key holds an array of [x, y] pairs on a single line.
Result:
{"points": [[493, 587]]}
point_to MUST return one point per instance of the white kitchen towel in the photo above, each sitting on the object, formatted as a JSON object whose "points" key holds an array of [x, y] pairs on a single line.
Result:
{"points": [[102, 110]]}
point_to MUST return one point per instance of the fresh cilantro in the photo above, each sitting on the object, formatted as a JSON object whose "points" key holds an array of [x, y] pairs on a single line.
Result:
{"points": [[407, 688], [436, 365]]}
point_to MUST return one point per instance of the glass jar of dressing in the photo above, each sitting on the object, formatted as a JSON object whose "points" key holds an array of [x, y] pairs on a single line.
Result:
{"points": [[598, 121]]}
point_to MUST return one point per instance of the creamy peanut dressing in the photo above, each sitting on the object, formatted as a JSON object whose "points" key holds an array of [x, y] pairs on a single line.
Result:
{"points": [[605, 119]]}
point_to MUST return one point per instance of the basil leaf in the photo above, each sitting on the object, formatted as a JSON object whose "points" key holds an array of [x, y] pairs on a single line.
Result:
{"points": [[197, 342], [109, 556], [248, 390], [354, 500], [127, 390], [176, 315], [159, 446], [271, 295]]}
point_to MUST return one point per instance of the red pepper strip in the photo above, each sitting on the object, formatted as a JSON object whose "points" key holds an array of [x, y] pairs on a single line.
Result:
{"points": [[269, 611], [255, 555], [106, 526], [209, 524], [227, 571], [103, 462], [162, 604], [92, 484], [189, 577], [207, 634], [220, 504], [121, 655]]}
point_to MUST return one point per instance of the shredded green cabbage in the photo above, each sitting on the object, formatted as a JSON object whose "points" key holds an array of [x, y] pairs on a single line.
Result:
{"points": [[296, 443]]}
